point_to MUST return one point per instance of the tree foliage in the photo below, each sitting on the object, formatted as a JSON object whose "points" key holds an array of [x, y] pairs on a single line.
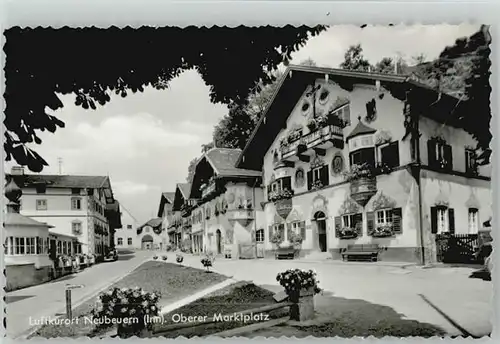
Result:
{"points": [[91, 63], [191, 168], [234, 130], [354, 59], [386, 65]]}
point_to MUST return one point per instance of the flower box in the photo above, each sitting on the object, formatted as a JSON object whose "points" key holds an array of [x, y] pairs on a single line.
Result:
{"points": [[383, 231], [348, 233]]}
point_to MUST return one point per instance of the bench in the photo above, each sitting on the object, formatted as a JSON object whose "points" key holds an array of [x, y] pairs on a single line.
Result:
{"points": [[285, 253], [361, 252]]}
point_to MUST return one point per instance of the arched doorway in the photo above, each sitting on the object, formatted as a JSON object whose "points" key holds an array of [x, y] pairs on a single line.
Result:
{"points": [[218, 241], [147, 242], [320, 219]]}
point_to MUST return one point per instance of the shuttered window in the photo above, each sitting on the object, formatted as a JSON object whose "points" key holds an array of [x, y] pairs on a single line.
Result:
{"points": [[390, 154], [318, 175], [442, 220], [439, 155]]}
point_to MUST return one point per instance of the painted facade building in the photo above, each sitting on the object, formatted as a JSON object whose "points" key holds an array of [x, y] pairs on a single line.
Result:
{"points": [[179, 230], [228, 211], [356, 158], [151, 235], [126, 236], [166, 214], [79, 207]]}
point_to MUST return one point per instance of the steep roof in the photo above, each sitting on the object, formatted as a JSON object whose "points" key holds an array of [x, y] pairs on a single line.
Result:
{"points": [[166, 197], [223, 161], [16, 219], [154, 223], [185, 189], [169, 196], [360, 129], [67, 181], [182, 191], [292, 85]]}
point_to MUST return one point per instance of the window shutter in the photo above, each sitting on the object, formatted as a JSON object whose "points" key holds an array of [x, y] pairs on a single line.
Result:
{"points": [[338, 225], [288, 231], [394, 151], [268, 190], [324, 175], [434, 220], [451, 220], [370, 222], [287, 183], [281, 229], [431, 153], [302, 226], [358, 223], [270, 233], [309, 180], [448, 155], [397, 220]]}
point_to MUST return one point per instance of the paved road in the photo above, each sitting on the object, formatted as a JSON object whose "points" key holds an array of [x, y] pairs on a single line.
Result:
{"points": [[49, 299], [467, 301]]}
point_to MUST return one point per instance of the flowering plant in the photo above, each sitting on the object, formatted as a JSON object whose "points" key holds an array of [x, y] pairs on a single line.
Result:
{"points": [[280, 194], [295, 238], [127, 307], [207, 262], [164, 257], [277, 238], [383, 168], [294, 280], [317, 184], [179, 258], [359, 171], [382, 231], [155, 257], [347, 233]]}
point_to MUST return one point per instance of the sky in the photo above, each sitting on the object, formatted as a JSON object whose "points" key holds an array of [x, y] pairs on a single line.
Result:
{"points": [[145, 141]]}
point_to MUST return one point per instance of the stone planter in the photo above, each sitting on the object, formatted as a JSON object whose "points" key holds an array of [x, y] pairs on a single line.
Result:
{"points": [[303, 308]]}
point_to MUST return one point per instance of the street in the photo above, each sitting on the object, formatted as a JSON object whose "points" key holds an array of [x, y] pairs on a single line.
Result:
{"points": [[49, 299]]}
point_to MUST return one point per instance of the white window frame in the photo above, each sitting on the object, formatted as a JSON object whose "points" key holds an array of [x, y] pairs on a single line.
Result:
{"points": [[41, 204], [76, 224], [316, 173], [473, 220], [129, 241], [386, 217], [347, 220], [443, 225], [129, 226], [120, 242], [259, 235], [76, 203]]}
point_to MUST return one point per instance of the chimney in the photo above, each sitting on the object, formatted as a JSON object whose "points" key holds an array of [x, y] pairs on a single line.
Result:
{"points": [[17, 171]]}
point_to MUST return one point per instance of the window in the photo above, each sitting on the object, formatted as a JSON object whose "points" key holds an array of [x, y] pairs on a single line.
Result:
{"points": [[75, 191], [129, 241], [439, 154], [120, 241], [41, 188], [348, 221], [442, 220], [30, 246], [76, 203], [280, 184], [343, 112], [317, 177], [389, 154], [64, 247], [470, 162], [41, 204], [363, 155], [473, 221], [259, 235], [384, 217], [129, 226], [19, 247], [59, 247]]}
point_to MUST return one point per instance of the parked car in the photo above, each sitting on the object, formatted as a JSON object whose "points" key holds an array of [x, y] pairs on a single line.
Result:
{"points": [[112, 255]]}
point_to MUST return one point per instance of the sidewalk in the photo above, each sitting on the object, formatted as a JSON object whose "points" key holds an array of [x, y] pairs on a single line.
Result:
{"points": [[48, 300]]}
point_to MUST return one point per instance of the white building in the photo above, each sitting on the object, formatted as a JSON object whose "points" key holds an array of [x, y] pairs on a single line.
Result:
{"points": [[126, 236]]}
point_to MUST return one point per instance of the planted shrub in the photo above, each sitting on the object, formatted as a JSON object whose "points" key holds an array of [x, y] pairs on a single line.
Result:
{"points": [[164, 257], [155, 257], [179, 258], [207, 262], [129, 308]]}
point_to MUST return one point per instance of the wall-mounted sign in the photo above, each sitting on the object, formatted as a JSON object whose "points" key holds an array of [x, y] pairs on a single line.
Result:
{"points": [[284, 207]]}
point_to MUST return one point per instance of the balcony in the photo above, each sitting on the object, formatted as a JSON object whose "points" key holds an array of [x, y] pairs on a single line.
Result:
{"points": [[243, 216], [316, 142], [185, 210]]}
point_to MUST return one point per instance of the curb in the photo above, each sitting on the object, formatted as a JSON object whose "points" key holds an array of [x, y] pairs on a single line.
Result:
{"points": [[25, 334]]}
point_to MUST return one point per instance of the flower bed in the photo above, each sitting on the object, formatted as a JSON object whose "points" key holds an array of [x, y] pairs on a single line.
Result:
{"points": [[172, 281], [280, 194]]}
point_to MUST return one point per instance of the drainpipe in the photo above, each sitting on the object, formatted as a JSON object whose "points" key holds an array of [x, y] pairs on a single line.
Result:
{"points": [[254, 216]]}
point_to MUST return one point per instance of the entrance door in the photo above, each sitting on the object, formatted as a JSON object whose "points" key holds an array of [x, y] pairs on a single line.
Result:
{"points": [[321, 225], [218, 238]]}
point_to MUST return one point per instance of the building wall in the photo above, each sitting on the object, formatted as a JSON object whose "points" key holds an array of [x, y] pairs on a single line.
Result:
{"points": [[22, 276], [128, 230]]}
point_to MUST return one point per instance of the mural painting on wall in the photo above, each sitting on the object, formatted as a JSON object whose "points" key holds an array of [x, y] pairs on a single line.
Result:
{"points": [[283, 207], [317, 162], [228, 238], [299, 178], [319, 203], [349, 206], [381, 201], [337, 164], [472, 202], [324, 95], [230, 198], [382, 136]]}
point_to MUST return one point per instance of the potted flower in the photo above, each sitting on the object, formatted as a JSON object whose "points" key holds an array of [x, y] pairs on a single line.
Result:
{"points": [[312, 125], [179, 258], [383, 168], [132, 308], [300, 287], [363, 171], [383, 231], [317, 184], [277, 238], [296, 240], [207, 262], [280, 194], [164, 257], [155, 257], [348, 233], [284, 142]]}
